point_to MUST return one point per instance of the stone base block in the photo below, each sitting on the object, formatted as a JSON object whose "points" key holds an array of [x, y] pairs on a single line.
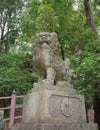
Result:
{"points": [[49, 106], [2, 125], [51, 126]]}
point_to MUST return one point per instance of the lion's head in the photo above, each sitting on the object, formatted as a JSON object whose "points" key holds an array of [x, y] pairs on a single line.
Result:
{"points": [[46, 37]]}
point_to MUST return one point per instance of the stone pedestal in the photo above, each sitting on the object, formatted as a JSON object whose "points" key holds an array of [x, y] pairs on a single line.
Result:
{"points": [[48, 106], [2, 125], [2, 122], [54, 108], [55, 126]]}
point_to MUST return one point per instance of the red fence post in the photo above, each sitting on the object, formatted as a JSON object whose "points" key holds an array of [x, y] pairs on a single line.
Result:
{"points": [[12, 109]]}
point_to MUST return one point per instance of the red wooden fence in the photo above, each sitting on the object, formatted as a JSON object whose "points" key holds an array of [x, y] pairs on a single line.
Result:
{"points": [[12, 108]]}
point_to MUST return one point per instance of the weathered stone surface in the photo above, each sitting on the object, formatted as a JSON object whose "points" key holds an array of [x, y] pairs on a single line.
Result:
{"points": [[60, 86], [50, 106], [56, 126], [2, 125], [2, 122], [47, 62], [1, 115]]}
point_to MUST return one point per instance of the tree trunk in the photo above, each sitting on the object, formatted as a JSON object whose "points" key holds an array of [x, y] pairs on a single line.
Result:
{"points": [[62, 52], [87, 109], [89, 16], [1, 42], [96, 104]]}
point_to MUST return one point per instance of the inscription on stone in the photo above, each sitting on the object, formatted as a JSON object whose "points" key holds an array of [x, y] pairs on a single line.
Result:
{"points": [[65, 108]]}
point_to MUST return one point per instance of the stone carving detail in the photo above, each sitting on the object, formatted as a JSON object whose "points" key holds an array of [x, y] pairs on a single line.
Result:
{"points": [[66, 107], [48, 64]]}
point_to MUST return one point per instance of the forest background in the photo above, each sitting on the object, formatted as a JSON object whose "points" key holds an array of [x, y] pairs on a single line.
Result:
{"points": [[77, 23]]}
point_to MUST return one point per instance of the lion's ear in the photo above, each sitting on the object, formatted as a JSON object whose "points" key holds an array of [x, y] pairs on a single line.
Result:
{"points": [[53, 34], [37, 35]]}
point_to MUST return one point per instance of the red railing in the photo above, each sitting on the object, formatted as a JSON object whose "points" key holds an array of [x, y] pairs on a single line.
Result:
{"points": [[12, 108]]}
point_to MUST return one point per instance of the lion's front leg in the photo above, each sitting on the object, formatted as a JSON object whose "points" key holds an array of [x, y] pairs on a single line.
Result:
{"points": [[51, 75]]}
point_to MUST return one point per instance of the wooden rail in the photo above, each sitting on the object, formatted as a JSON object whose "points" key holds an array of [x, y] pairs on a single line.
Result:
{"points": [[12, 108]]}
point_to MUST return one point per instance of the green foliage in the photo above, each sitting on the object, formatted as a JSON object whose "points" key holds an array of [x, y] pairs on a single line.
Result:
{"points": [[16, 73], [45, 16], [86, 64], [28, 17], [9, 20], [45, 22]]}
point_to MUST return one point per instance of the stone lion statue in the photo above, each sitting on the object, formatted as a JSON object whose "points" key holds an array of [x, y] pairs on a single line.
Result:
{"points": [[48, 64]]}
